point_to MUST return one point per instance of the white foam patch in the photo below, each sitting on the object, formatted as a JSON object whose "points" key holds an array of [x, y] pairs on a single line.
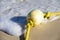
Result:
{"points": [[11, 28], [54, 18]]}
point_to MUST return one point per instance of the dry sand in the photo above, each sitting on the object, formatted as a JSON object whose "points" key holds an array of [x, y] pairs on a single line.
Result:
{"points": [[49, 31]]}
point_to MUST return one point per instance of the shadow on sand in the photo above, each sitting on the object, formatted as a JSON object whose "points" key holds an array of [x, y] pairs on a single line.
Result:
{"points": [[21, 20]]}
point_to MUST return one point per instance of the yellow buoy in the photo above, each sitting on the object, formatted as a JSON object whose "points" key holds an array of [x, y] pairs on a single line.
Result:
{"points": [[34, 18]]}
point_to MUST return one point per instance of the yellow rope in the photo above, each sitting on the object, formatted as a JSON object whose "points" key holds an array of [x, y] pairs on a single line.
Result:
{"points": [[50, 14], [29, 26]]}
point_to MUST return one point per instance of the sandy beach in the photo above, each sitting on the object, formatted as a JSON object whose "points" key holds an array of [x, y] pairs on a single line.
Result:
{"points": [[49, 31]]}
